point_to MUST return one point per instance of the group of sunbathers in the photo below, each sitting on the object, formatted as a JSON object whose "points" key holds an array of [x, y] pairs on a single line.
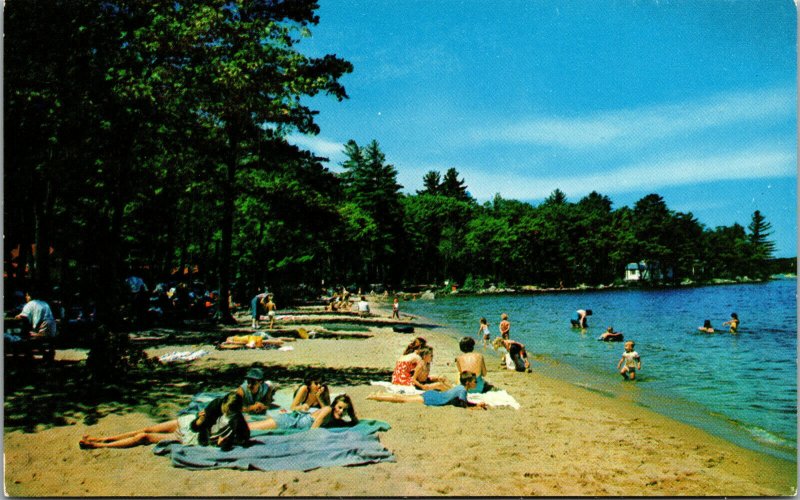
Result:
{"points": [[222, 422]]}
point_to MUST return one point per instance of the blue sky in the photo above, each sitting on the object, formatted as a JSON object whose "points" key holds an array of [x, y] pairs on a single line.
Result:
{"points": [[695, 101]]}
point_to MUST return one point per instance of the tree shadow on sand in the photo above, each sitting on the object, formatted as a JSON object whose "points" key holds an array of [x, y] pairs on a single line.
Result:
{"points": [[41, 395]]}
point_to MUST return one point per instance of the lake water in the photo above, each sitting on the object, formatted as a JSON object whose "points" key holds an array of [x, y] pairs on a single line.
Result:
{"points": [[740, 387]]}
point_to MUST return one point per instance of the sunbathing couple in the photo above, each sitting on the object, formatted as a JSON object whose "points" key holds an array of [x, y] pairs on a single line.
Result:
{"points": [[221, 423]]}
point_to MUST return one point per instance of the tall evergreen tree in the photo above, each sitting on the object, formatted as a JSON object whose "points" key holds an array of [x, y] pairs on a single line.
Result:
{"points": [[431, 183], [761, 248], [453, 187]]}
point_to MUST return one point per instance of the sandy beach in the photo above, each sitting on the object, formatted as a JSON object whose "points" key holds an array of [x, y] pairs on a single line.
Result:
{"points": [[564, 441]]}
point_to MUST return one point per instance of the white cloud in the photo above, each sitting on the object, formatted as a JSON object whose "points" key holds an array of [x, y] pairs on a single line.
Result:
{"points": [[641, 126], [643, 176], [320, 146]]}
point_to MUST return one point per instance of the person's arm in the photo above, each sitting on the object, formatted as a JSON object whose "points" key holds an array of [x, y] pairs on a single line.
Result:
{"points": [[638, 363], [324, 396], [621, 360], [321, 416], [462, 402], [299, 399], [483, 367]]}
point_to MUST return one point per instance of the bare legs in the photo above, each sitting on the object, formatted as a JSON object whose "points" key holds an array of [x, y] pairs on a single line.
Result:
{"points": [[147, 435], [265, 424], [396, 398]]}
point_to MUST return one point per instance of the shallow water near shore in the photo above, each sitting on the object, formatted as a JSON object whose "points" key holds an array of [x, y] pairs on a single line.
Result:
{"points": [[742, 387]]}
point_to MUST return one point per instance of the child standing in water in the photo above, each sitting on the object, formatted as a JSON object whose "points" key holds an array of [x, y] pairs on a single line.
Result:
{"points": [[631, 360], [505, 326], [733, 323], [483, 332]]}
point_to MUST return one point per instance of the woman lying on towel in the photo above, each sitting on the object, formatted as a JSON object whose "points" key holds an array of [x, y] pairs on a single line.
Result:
{"points": [[220, 424], [327, 416]]}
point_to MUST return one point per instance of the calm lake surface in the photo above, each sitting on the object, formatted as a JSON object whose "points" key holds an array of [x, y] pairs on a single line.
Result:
{"points": [[740, 387]]}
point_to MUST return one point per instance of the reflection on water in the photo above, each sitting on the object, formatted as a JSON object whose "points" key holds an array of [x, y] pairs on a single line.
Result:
{"points": [[742, 387]]}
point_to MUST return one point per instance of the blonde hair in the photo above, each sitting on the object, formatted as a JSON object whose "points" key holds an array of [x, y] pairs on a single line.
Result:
{"points": [[497, 343]]}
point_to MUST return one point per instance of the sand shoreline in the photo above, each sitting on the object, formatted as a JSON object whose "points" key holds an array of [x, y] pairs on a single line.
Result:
{"points": [[564, 441]]}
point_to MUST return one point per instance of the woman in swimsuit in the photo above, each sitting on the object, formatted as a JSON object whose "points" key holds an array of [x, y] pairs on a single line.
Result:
{"points": [[327, 416], [422, 379], [312, 393]]}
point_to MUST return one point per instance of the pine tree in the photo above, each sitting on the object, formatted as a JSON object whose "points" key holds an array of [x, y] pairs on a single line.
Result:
{"points": [[431, 183], [760, 248], [453, 187]]}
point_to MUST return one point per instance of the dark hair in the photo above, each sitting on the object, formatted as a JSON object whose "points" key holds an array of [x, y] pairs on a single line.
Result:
{"points": [[351, 411], [415, 344], [588, 312], [466, 344], [734, 316], [707, 324], [424, 351], [313, 377], [467, 377], [483, 320]]}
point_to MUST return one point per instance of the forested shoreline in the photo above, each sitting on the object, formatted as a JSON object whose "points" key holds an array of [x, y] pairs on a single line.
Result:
{"points": [[151, 139]]}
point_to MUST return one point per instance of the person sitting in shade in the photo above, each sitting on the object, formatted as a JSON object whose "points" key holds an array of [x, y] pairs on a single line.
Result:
{"points": [[256, 393], [457, 396], [363, 306], [40, 324]]}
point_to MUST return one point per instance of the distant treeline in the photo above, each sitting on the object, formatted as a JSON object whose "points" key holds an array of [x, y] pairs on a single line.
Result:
{"points": [[149, 137]]}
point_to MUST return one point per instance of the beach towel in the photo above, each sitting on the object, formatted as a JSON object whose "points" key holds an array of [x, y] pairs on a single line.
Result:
{"points": [[306, 450], [491, 398], [494, 399], [176, 356]]}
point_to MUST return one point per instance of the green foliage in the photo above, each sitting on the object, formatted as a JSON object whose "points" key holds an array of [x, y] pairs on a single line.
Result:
{"points": [[152, 135]]}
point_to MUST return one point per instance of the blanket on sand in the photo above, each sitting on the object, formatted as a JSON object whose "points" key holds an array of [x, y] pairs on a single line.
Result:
{"points": [[492, 398], [306, 450]]}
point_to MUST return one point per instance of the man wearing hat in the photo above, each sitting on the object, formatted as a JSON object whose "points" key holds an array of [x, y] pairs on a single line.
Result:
{"points": [[256, 392]]}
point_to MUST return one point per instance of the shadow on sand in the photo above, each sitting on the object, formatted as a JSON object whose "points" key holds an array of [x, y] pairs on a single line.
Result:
{"points": [[39, 395]]}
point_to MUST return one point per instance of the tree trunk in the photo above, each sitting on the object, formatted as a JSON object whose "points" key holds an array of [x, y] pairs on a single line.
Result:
{"points": [[224, 315]]}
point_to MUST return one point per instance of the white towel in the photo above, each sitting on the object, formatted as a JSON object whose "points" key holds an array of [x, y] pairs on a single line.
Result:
{"points": [[494, 399], [182, 356]]}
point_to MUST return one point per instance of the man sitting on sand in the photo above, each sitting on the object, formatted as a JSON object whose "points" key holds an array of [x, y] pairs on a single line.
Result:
{"points": [[472, 362], [457, 396], [256, 393]]}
